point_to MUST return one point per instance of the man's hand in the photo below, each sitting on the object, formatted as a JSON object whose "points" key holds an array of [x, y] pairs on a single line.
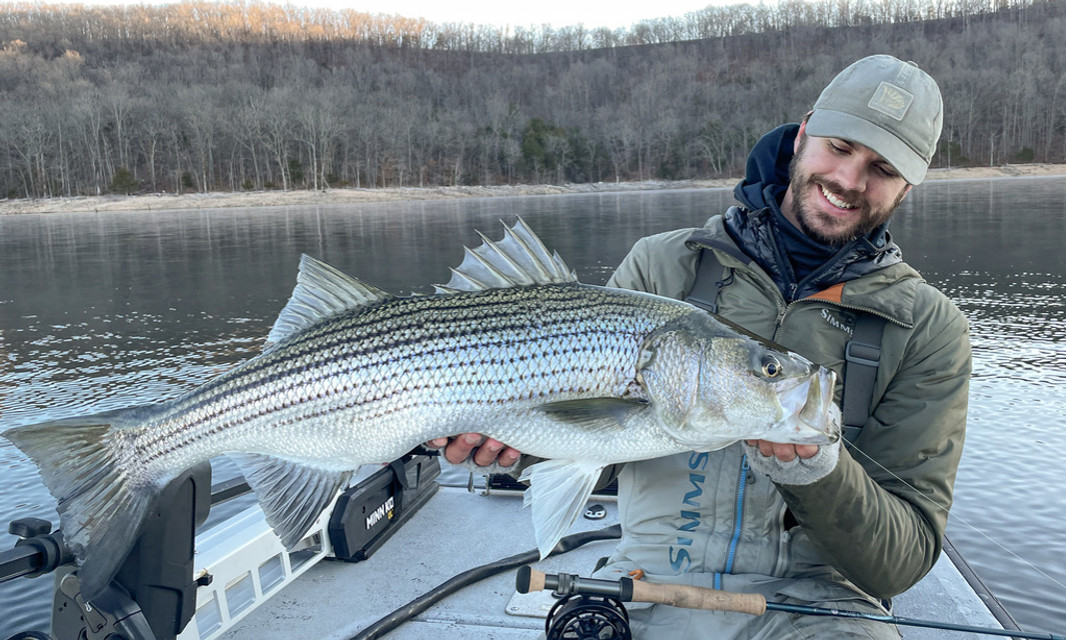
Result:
{"points": [[784, 452], [486, 451], [792, 464]]}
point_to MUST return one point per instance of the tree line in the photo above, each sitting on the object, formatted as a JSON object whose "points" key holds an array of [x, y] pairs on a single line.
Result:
{"points": [[250, 96]]}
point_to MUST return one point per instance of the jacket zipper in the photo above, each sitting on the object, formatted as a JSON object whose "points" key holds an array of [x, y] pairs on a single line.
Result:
{"points": [[738, 521], [783, 309]]}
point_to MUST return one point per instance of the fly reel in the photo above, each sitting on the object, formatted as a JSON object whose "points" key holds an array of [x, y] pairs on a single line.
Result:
{"points": [[587, 617]]}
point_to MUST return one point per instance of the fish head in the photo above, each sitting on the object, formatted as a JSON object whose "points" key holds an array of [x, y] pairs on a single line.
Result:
{"points": [[714, 386]]}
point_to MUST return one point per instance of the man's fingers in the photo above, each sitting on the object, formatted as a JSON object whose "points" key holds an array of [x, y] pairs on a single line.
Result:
{"points": [[487, 453], [783, 451], [460, 448], [509, 457]]}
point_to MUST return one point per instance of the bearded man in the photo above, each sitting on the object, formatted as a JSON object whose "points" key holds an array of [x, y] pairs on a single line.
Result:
{"points": [[802, 261]]}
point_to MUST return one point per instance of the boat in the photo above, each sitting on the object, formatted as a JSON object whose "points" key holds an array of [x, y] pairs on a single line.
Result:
{"points": [[405, 551]]}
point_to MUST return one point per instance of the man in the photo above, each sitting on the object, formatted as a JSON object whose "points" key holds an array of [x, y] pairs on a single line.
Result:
{"points": [[799, 263]]}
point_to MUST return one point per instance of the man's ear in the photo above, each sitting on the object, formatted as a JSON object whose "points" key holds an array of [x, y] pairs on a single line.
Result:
{"points": [[802, 132]]}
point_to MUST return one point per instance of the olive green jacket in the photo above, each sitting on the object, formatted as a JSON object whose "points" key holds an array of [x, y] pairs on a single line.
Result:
{"points": [[876, 522]]}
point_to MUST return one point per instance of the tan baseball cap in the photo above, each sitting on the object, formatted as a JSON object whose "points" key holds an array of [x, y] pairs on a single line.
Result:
{"points": [[888, 105]]}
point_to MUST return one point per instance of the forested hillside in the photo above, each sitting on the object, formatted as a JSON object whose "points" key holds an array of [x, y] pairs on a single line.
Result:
{"points": [[205, 97]]}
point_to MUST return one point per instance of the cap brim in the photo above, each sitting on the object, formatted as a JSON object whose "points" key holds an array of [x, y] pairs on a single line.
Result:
{"points": [[825, 123]]}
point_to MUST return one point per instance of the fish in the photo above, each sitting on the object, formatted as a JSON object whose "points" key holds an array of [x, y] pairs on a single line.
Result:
{"points": [[513, 346]]}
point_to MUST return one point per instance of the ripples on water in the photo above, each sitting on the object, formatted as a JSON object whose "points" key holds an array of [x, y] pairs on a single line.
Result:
{"points": [[219, 278], [1008, 501], [995, 248]]}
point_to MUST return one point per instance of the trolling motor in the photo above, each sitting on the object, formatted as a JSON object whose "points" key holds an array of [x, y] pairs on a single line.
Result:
{"points": [[153, 595], [690, 597]]}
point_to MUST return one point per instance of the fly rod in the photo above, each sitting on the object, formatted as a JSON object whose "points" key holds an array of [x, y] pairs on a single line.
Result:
{"points": [[690, 597]]}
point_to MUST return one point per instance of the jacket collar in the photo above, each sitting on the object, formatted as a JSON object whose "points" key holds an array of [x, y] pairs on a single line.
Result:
{"points": [[861, 277]]}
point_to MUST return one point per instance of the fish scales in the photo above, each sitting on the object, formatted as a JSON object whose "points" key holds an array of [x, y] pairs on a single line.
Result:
{"points": [[513, 347], [410, 354]]}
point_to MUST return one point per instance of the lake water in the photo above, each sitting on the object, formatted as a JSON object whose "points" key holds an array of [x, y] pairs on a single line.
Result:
{"points": [[100, 311]]}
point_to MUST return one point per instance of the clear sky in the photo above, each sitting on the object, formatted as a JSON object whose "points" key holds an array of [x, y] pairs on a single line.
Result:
{"points": [[558, 13]]}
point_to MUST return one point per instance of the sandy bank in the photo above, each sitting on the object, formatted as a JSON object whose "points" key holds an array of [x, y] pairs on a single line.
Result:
{"points": [[161, 202]]}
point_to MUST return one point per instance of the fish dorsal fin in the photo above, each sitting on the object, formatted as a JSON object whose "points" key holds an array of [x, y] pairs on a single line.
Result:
{"points": [[557, 493], [292, 495], [321, 291], [519, 259]]}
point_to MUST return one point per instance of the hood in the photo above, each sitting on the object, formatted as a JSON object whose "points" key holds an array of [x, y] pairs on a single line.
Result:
{"points": [[766, 173]]}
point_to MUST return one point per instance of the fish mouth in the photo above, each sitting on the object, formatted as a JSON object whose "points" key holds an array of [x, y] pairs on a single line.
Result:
{"points": [[811, 415]]}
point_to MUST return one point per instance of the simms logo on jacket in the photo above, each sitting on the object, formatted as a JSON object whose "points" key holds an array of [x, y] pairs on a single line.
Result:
{"points": [[680, 560], [835, 322]]}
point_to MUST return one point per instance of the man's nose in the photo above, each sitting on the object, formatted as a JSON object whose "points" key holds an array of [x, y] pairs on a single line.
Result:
{"points": [[851, 174]]}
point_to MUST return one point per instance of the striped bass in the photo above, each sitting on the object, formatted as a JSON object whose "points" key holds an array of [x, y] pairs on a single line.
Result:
{"points": [[513, 347]]}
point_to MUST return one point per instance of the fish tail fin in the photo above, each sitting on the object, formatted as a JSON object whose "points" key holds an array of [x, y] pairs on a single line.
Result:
{"points": [[102, 495]]}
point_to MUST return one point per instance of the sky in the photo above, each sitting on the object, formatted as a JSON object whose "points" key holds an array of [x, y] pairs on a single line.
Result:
{"points": [[515, 13]]}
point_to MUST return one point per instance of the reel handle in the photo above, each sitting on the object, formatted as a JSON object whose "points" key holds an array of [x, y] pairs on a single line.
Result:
{"points": [[629, 590]]}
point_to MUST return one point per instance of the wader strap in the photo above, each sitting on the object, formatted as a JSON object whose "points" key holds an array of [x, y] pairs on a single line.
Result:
{"points": [[708, 283], [861, 356]]}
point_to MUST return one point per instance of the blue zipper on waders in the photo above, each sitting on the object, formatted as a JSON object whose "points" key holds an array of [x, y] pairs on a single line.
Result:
{"points": [[737, 523]]}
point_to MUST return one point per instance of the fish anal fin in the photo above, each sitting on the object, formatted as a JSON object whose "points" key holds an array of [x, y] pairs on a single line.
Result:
{"points": [[557, 493], [292, 495]]}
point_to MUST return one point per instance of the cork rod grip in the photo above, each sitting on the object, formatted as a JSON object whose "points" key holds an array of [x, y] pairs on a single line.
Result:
{"points": [[680, 595], [627, 590]]}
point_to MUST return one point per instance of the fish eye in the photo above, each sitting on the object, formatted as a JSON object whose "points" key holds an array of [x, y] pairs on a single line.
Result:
{"points": [[771, 367]]}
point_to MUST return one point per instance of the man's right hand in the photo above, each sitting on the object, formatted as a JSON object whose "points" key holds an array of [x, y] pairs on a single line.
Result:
{"points": [[486, 451]]}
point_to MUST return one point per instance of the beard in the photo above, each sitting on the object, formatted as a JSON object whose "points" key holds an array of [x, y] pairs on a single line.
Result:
{"points": [[823, 227]]}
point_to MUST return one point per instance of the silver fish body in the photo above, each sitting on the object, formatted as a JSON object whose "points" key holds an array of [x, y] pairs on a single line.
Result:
{"points": [[370, 384], [514, 347]]}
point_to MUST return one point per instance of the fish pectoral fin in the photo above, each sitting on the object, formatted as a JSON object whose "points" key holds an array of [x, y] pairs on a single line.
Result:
{"points": [[596, 414], [292, 495], [321, 291], [557, 493]]}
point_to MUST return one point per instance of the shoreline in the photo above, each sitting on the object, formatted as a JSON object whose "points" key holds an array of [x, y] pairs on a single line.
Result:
{"points": [[219, 200]]}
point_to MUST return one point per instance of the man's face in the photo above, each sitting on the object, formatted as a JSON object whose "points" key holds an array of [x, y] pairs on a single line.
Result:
{"points": [[839, 190]]}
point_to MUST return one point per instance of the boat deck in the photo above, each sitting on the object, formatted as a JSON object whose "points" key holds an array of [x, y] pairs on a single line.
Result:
{"points": [[458, 530]]}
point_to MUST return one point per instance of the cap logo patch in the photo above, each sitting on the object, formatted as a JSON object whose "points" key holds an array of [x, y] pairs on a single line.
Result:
{"points": [[891, 101]]}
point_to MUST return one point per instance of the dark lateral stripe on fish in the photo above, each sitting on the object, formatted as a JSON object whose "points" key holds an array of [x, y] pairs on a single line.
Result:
{"points": [[418, 363], [323, 366], [331, 337], [516, 332], [419, 333]]}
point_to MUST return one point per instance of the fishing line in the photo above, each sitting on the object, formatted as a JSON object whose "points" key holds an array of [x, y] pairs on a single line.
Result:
{"points": [[960, 519]]}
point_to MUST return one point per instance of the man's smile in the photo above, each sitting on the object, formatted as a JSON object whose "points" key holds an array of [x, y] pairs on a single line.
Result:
{"points": [[836, 201]]}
